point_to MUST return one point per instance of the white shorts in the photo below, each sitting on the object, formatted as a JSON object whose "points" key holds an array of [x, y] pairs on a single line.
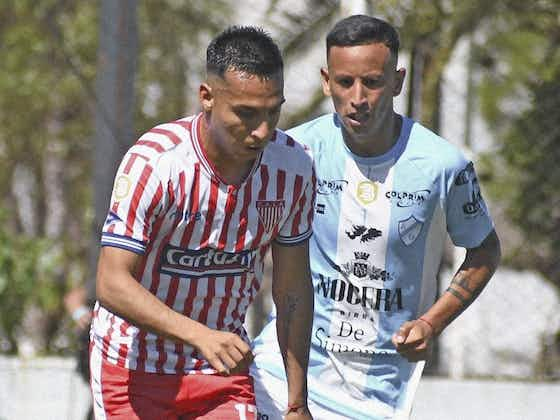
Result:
{"points": [[272, 393]]}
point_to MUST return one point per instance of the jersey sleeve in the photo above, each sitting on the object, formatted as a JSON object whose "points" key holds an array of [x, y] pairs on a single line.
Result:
{"points": [[297, 228], [468, 219], [137, 198]]}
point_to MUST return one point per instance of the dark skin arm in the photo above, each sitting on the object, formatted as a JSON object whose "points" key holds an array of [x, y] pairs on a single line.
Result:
{"points": [[292, 292], [120, 292], [413, 339]]}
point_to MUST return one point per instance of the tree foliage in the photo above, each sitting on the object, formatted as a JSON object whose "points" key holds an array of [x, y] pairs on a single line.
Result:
{"points": [[520, 97]]}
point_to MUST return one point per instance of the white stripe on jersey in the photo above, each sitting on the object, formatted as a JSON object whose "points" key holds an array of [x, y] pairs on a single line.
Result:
{"points": [[202, 241]]}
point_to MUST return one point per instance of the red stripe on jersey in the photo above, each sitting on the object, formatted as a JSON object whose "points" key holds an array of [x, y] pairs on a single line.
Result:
{"points": [[155, 201], [210, 294], [262, 196], [174, 138], [185, 124], [171, 295], [301, 202], [210, 213], [155, 278], [193, 206], [137, 195], [235, 313], [310, 213], [243, 221], [225, 302], [230, 207], [280, 189], [152, 144], [131, 160]]}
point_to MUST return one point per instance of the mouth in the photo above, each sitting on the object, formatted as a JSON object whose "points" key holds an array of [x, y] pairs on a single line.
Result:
{"points": [[357, 119]]}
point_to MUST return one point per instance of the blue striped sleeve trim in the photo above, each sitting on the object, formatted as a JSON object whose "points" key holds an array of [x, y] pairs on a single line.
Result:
{"points": [[294, 240], [124, 242]]}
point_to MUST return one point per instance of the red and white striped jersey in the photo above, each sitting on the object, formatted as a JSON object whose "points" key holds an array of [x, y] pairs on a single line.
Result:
{"points": [[202, 241]]}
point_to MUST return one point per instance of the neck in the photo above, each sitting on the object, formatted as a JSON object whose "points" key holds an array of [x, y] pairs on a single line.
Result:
{"points": [[378, 143]]}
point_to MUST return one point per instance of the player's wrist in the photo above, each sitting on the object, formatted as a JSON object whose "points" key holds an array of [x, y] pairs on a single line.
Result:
{"points": [[430, 323], [296, 407]]}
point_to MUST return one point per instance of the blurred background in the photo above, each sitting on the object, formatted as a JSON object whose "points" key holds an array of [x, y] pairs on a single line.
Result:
{"points": [[80, 81]]}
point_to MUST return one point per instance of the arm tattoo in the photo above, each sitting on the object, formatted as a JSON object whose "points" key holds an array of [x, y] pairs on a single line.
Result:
{"points": [[290, 306], [461, 281]]}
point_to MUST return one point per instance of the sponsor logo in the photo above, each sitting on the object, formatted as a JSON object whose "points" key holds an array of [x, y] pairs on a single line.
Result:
{"points": [[379, 299], [408, 199], [409, 229], [188, 216], [367, 192], [347, 331], [364, 233], [270, 213], [206, 262], [122, 187], [333, 186], [362, 269], [320, 208]]}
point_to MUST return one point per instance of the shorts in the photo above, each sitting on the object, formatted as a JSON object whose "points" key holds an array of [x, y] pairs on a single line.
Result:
{"points": [[120, 393], [271, 394]]}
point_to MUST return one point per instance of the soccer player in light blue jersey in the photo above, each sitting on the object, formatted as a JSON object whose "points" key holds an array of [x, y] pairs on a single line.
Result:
{"points": [[389, 191]]}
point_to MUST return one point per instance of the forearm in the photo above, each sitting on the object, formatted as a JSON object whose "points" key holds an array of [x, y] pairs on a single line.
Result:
{"points": [[293, 324], [293, 295], [467, 284], [121, 293]]}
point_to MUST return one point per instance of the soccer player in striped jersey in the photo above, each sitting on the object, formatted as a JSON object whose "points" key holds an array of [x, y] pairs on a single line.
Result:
{"points": [[389, 191], [196, 205]]}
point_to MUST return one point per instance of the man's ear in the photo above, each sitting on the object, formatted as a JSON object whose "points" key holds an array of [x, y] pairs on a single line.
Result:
{"points": [[399, 80], [325, 81], [206, 97]]}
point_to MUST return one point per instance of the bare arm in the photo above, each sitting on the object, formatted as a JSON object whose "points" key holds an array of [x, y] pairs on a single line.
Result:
{"points": [[119, 291], [413, 338], [292, 292]]}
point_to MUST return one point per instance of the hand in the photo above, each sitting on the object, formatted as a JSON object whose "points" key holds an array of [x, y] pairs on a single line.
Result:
{"points": [[75, 304], [226, 352], [413, 340], [301, 413]]}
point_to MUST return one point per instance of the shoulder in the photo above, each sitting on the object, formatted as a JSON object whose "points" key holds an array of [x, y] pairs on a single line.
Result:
{"points": [[165, 142], [315, 132], [287, 152], [428, 150]]}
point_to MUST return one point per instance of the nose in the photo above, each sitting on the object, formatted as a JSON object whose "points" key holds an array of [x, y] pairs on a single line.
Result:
{"points": [[358, 97], [262, 131]]}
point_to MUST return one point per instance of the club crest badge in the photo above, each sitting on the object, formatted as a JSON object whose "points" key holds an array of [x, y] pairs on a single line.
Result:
{"points": [[270, 213], [409, 230]]}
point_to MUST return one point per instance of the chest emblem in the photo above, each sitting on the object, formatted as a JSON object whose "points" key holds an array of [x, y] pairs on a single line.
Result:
{"points": [[409, 229], [270, 213], [367, 192]]}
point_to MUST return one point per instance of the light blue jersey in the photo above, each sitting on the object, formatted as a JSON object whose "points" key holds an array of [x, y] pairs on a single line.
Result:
{"points": [[378, 236]]}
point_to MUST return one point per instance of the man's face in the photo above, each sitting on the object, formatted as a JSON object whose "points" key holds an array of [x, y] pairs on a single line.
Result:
{"points": [[362, 81], [242, 111]]}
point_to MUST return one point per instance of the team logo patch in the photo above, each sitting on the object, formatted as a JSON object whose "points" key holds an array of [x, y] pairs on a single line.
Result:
{"points": [[270, 213], [409, 230], [367, 192], [362, 269], [122, 187]]}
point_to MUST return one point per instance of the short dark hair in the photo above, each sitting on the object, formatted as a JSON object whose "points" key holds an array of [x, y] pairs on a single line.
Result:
{"points": [[362, 30], [246, 49]]}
